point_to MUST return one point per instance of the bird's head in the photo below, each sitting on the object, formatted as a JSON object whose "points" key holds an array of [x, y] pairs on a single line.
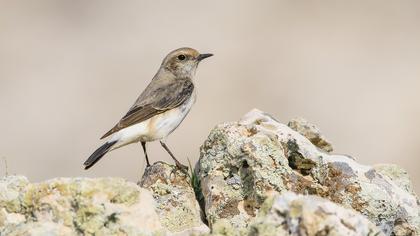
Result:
{"points": [[183, 62]]}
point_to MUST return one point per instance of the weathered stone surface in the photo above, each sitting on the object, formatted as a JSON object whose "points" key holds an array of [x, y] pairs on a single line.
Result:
{"points": [[297, 215], [241, 162], [255, 176], [300, 215], [177, 206], [397, 174], [223, 227], [79, 206], [39, 229], [311, 132]]}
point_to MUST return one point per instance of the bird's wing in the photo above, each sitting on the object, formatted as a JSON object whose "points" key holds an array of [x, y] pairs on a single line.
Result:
{"points": [[155, 100]]}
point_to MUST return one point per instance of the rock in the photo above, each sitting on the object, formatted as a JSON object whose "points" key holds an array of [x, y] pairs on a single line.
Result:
{"points": [[397, 174], [243, 162], [311, 132], [296, 215], [224, 228], [177, 206], [72, 206], [39, 229], [254, 177], [299, 215]]}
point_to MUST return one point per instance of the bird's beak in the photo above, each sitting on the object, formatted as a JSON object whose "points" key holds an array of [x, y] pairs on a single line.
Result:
{"points": [[202, 56]]}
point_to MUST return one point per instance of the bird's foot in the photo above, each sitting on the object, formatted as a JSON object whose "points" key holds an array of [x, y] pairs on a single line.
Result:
{"points": [[147, 167], [181, 167]]}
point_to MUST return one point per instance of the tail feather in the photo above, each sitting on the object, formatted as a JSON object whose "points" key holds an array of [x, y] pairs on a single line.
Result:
{"points": [[98, 154]]}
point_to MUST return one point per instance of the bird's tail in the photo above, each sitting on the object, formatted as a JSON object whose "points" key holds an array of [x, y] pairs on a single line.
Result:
{"points": [[98, 154]]}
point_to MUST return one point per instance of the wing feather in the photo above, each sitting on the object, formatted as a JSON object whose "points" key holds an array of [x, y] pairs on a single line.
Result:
{"points": [[155, 100]]}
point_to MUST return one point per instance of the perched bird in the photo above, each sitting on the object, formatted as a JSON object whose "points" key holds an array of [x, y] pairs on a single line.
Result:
{"points": [[159, 109]]}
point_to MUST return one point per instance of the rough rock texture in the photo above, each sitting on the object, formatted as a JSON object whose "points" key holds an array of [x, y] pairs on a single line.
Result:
{"points": [[39, 229], [79, 206], [311, 132], [241, 162], [397, 174], [255, 177], [177, 206], [297, 215]]}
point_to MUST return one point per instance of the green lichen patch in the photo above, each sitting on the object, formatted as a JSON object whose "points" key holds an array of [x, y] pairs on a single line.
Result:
{"points": [[177, 206], [80, 205]]}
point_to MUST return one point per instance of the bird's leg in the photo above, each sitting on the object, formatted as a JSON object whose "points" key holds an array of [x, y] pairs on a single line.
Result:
{"points": [[143, 144], [178, 164]]}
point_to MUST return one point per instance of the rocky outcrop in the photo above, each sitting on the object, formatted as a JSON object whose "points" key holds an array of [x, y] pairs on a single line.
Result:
{"points": [[241, 162], [177, 206], [107, 206], [255, 177], [79, 206]]}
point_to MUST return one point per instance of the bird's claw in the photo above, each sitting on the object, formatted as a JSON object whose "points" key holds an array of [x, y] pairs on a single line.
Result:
{"points": [[181, 167]]}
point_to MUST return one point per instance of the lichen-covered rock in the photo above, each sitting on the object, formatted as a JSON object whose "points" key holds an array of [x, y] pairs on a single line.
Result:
{"points": [[177, 206], [38, 229], [78, 206], [298, 215], [241, 162], [311, 132], [397, 174], [223, 227]]}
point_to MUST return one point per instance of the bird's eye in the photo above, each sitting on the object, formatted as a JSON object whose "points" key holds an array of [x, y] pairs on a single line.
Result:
{"points": [[181, 57]]}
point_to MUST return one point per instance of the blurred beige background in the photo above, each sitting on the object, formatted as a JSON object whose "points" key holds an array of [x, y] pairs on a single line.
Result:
{"points": [[70, 69]]}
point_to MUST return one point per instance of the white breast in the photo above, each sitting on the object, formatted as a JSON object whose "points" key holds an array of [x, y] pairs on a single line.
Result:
{"points": [[165, 123], [155, 128]]}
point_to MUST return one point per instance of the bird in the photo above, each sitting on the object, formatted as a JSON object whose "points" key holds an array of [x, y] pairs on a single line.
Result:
{"points": [[159, 109]]}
